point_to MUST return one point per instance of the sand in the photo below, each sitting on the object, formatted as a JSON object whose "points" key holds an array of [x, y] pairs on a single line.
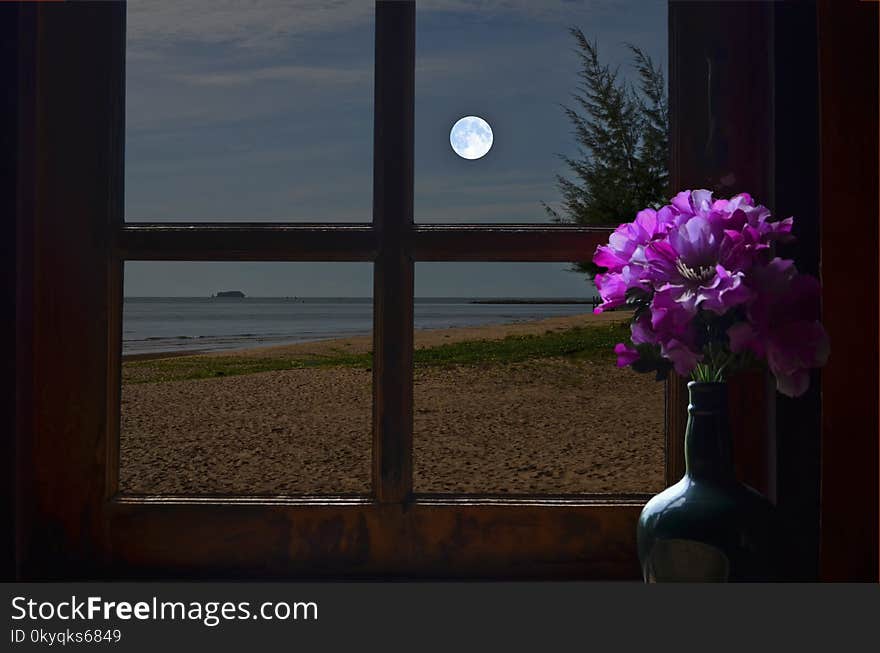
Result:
{"points": [[549, 426]]}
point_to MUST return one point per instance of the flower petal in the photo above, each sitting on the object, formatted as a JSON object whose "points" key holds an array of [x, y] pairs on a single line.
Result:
{"points": [[626, 355], [794, 384]]}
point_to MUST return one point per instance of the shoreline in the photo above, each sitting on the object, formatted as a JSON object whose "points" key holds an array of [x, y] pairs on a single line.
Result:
{"points": [[149, 355], [423, 338], [536, 302]]}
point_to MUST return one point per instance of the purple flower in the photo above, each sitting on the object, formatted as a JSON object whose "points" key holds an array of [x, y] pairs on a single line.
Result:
{"points": [[684, 359], [694, 267], [671, 327], [703, 261], [783, 325], [689, 275], [626, 355], [696, 247], [627, 244], [613, 286], [624, 255]]}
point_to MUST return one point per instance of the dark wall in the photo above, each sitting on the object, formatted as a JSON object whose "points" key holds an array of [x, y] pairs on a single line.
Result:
{"points": [[9, 13], [18, 28], [796, 193], [848, 110]]}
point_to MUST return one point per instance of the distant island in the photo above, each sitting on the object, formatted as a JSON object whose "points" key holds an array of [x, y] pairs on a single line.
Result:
{"points": [[230, 293]]}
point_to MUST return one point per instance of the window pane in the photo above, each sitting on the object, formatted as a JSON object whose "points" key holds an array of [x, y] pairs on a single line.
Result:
{"points": [[269, 393], [256, 111], [515, 65], [516, 388]]}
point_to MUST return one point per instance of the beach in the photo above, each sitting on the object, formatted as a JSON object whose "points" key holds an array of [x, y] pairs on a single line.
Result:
{"points": [[514, 423]]}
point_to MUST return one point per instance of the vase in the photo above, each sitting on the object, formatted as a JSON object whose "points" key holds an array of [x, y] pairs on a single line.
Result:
{"points": [[708, 526]]}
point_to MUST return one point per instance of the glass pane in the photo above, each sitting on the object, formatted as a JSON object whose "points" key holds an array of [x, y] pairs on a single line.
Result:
{"points": [[248, 379], [257, 111], [516, 388], [516, 65]]}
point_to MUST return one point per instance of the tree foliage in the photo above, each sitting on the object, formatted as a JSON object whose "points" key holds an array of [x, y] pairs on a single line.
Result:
{"points": [[622, 135]]}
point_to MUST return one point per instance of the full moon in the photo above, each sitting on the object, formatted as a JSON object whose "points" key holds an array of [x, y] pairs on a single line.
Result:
{"points": [[471, 137]]}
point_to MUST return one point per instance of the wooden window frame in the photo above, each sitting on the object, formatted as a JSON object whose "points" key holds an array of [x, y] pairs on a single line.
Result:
{"points": [[80, 526], [72, 244]]}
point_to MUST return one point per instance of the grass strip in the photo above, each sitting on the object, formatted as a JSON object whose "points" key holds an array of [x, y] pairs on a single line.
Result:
{"points": [[595, 342]]}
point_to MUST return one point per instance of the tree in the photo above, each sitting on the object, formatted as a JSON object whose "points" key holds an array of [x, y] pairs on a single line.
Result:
{"points": [[622, 134]]}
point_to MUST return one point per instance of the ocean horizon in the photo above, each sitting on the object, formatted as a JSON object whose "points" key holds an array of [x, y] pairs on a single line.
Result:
{"points": [[178, 324]]}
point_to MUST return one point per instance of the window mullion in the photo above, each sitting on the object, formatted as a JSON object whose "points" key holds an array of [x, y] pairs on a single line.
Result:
{"points": [[393, 276]]}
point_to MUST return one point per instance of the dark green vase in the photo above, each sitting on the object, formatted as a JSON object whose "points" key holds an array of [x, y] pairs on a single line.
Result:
{"points": [[708, 526]]}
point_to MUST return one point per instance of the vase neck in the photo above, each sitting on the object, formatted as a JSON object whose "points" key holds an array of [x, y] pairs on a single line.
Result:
{"points": [[707, 438]]}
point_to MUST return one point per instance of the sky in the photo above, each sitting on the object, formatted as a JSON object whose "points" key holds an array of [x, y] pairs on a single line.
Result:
{"points": [[262, 111]]}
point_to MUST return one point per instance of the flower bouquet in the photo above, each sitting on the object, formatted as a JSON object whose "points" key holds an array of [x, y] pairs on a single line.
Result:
{"points": [[710, 298]]}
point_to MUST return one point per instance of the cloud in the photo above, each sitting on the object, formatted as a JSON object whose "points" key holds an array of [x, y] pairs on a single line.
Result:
{"points": [[302, 74], [520, 182], [456, 66], [545, 10], [513, 196], [268, 24], [497, 212]]}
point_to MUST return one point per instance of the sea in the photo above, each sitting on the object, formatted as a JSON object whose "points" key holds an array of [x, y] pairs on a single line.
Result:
{"points": [[177, 324]]}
